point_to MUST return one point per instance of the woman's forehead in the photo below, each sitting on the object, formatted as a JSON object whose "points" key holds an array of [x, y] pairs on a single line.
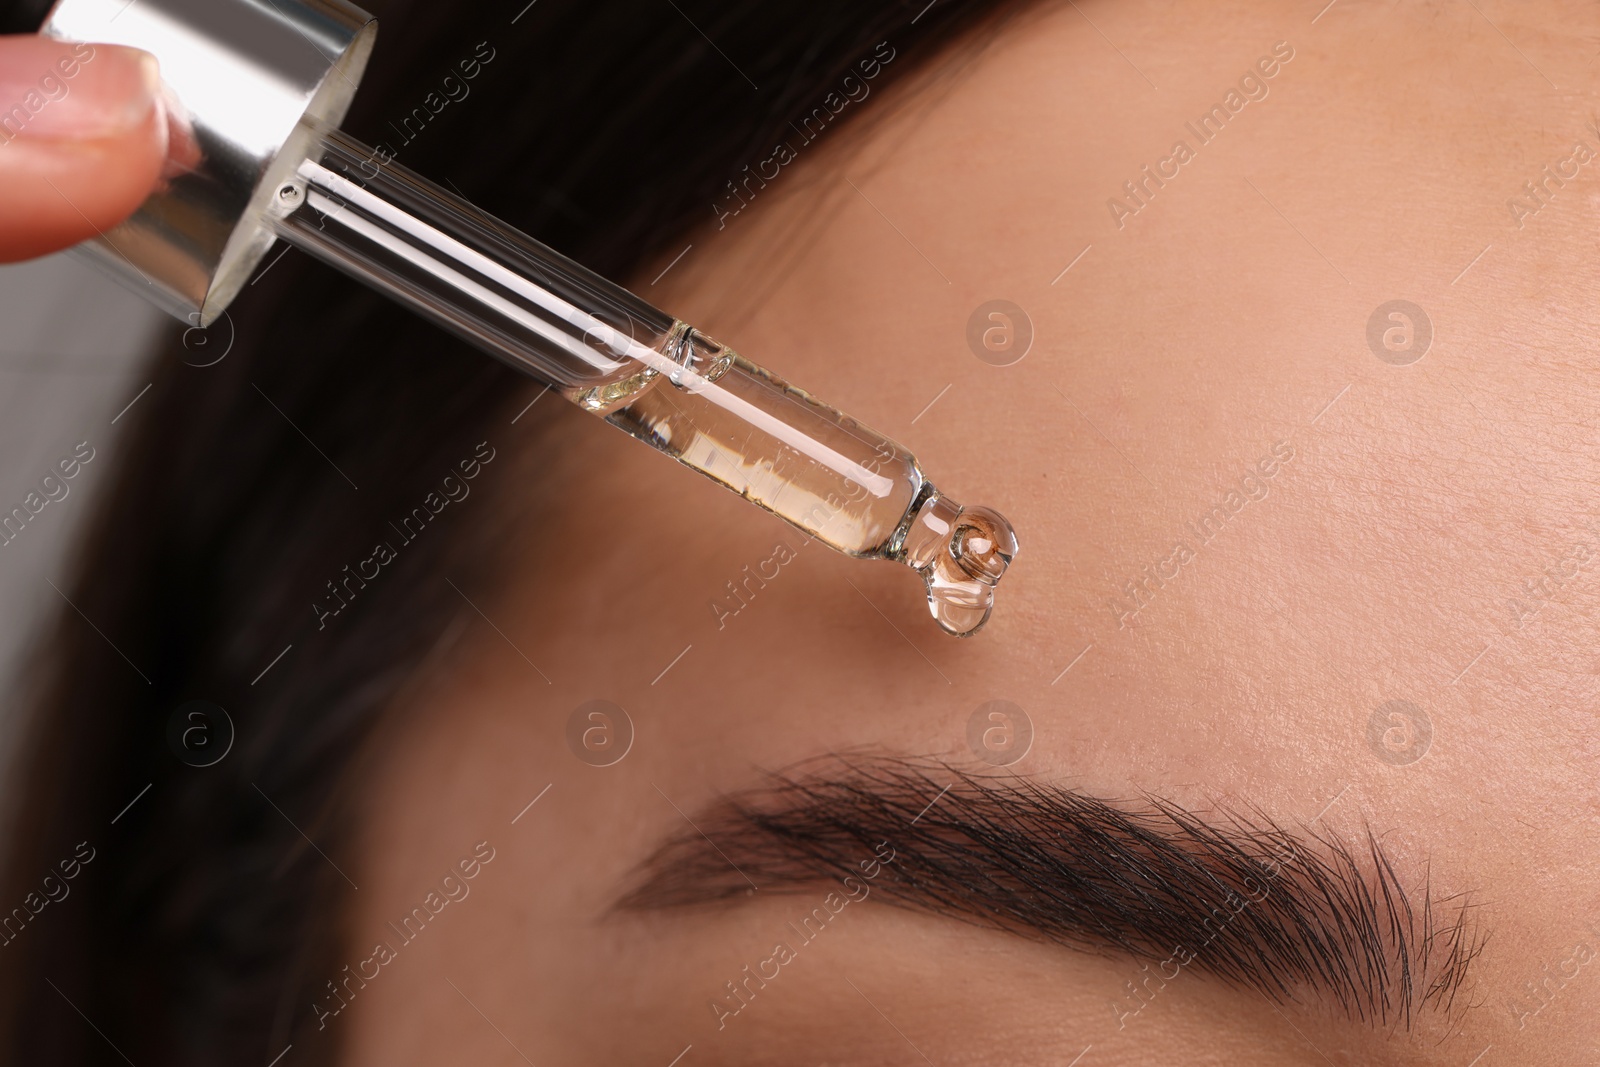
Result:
{"points": [[1234, 314]]}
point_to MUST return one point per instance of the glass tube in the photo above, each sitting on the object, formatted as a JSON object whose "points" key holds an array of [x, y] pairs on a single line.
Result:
{"points": [[652, 376]]}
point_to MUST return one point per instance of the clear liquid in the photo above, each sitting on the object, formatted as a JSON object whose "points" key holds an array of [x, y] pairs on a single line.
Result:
{"points": [[811, 465], [622, 359]]}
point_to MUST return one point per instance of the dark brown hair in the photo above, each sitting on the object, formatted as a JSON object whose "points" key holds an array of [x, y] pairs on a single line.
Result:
{"points": [[199, 929]]}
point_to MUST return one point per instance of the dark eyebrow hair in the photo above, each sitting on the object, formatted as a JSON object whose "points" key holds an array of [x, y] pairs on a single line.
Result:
{"points": [[1250, 902]]}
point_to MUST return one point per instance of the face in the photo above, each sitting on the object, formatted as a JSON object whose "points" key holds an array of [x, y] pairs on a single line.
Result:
{"points": [[1278, 747]]}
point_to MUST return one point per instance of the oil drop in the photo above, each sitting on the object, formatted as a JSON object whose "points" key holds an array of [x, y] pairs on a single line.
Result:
{"points": [[961, 553]]}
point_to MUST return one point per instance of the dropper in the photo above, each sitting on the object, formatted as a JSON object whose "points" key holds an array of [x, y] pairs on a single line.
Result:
{"points": [[651, 375]]}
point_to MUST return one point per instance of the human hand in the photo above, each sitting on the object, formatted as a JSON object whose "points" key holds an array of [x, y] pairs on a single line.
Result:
{"points": [[83, 137]]}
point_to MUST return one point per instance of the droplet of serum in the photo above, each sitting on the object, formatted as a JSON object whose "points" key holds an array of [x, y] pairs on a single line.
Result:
{"points": [[961, 553]]}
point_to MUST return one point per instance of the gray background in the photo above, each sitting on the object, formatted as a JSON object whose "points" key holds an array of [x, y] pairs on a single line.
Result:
{"points": [[72, 355]]}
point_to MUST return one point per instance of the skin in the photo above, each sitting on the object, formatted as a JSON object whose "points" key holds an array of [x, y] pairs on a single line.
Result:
{"points": [[1178, 350], [86, 148]]}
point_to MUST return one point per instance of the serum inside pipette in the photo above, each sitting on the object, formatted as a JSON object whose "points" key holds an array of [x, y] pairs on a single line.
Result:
{"points": [[651, 375], [807, 463]]}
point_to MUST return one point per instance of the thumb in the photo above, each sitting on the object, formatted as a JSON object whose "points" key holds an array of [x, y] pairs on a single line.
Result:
{"points": [[83, 135]]}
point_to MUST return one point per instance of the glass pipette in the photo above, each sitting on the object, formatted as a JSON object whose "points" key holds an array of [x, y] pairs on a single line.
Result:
{"points": [[652, 376]]}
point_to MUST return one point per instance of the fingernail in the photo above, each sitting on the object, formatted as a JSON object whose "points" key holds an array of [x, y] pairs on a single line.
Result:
{"points": [[56, 90]]}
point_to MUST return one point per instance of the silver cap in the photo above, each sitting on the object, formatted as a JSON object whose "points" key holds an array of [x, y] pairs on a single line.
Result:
{"points": [[243, 81]]}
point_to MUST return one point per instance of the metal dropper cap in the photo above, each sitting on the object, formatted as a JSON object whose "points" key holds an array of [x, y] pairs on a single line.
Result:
{"points": [[243, 81]]}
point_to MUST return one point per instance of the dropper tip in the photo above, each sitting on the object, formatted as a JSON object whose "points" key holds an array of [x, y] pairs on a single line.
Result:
{"points": [[961, 553]]}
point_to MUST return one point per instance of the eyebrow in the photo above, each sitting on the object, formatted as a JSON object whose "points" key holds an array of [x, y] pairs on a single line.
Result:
{"points": [[1247, 901]]}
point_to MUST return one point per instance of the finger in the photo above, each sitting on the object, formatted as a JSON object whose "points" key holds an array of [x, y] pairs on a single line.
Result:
{"points": [[83, 135]]}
